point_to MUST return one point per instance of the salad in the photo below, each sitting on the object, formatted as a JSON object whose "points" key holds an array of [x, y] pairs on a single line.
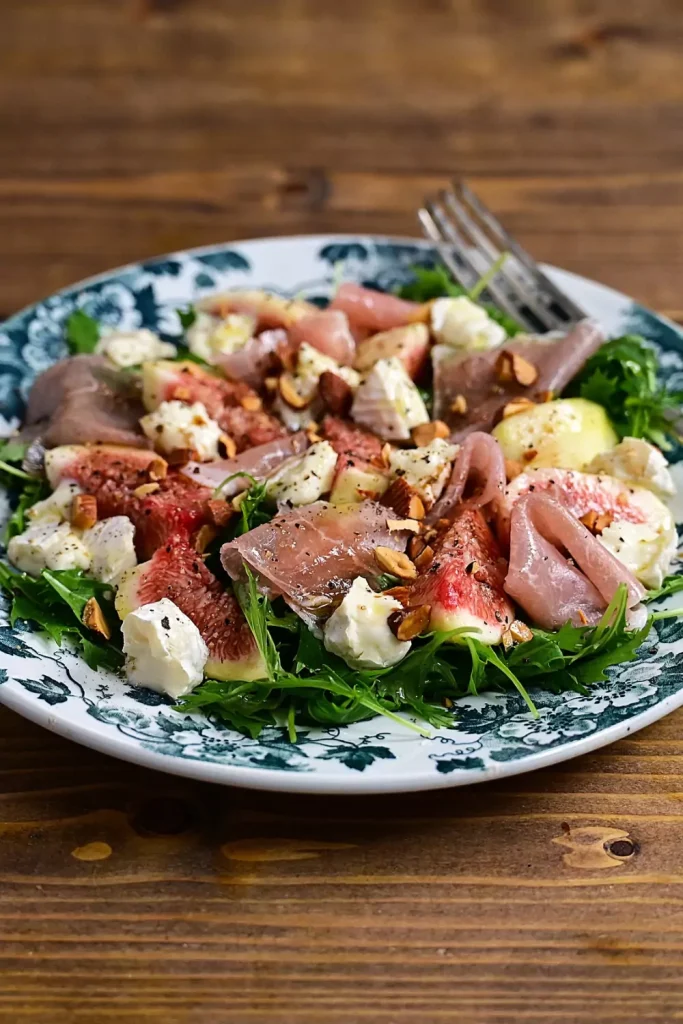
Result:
{"points": [[298, 515]]}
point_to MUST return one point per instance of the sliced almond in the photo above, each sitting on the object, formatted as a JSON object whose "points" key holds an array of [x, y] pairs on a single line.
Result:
{"points": [[424, 559], [395, 562], [157, 469], [312, 432], [404, 500], [289, 393], [227, 446], [84, 511], [511, 366], [270, 383], [403, 524], [93, 618], [144, 489], [335, 393], [408, 623], [401, 594], [508, 640], [597, 521], [203, 537], [459, 405], [252, 403], [513, 469], [181, 394], [181, 456], [427, 432], [416, 546], [517, 405], [386, 453], [520, 632], [529, 454], [220, 511]]}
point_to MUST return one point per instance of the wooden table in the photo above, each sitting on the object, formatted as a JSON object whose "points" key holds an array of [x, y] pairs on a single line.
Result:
{"points": [[131, 128]]}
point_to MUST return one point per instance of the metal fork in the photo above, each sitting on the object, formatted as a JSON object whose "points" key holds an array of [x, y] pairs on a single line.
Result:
{"points": [[471, 241]]}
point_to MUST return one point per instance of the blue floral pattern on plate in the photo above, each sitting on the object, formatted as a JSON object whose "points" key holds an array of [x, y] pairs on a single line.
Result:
{"points": [[490, 736]]}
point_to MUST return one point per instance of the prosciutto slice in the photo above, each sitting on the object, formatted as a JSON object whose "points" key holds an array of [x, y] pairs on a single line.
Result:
{"points": [[551, 587], [256, 359], [258, 462], [268, 309], [474, 375], [329, 332], [83, 400], [311, 555], [478, 477], [374, 311]]}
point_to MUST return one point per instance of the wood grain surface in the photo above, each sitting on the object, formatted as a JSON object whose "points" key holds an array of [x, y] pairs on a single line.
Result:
{"points": [[132, 127]]}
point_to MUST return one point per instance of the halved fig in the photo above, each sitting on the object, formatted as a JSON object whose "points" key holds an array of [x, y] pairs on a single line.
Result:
{"points": [[410, 344], [91, 466], [349, 439], [177, 572], [463, 584]]}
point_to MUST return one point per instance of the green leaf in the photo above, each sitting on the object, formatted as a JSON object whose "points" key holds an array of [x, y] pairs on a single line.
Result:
{"points": [[256, 610], [187, 317], [32, 492], [82, 333], [13, 450], [670, 585], [435, 282]]}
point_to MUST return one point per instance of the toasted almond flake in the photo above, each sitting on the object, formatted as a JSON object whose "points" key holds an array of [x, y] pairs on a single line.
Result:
{"points": [[582, 617], [84, 511], [447, 702], [513, 468], [416, 546], [228, 445], [595, 521], [312, 434], [181, 394], [395, 562], [401, 594], [520, 632], [252, 403], [181, 456], [404, 500], [289, 393], [93, 618], [529, 454], [517, 405], [270, 383], [459, 405], [424, 559], [511, 366], [386, 453], [203, 537], [428, 432], [144, 489], [403, 524], [157, 470], [409, 622], [508, 641]]}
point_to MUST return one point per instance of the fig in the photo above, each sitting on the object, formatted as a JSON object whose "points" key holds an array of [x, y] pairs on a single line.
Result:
{"points": [[463, 581], [91, 466], [177, 572]]}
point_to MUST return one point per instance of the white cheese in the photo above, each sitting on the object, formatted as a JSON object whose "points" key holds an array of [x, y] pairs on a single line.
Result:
{"points": [[427, 469], [164, 649], [388, 402], [637, 462], [57, 507], [311, 364], [306, 478], [112, 549], [461, 323], [131, 348], [358, 630], [646, 548], [48, 545], [177, 425], [210, 337]]}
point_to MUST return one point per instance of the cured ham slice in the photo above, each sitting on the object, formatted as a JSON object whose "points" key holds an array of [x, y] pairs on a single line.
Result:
{"points": [[348, 439], [83, 400], [268, 309], [258, 462], [559, 571], [477, 479], [375, 311], [255, 360], [311, 555], [329, 332], [475, 375]]}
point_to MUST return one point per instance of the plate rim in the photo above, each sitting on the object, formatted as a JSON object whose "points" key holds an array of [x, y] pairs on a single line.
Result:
{"points": [[277, 780]]}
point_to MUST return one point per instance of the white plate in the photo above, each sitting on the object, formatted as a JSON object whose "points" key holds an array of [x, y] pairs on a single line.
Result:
{"points": [[491, 737]]}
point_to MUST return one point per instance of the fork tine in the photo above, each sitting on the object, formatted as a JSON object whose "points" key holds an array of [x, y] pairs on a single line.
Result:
{"points": [[449, 241], [560, 300], [526, 294]]}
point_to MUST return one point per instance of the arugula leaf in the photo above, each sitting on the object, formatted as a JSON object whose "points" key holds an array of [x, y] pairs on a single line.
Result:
{"points": [[435, 282], [187, 317], [82, 332], [622, 377], [256, 609], [33, 491], [254, 506], [670, 585], [13, 450]]}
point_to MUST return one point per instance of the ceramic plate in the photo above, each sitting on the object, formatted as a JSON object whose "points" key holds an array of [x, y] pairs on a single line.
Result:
{"points": [[490, 737]]}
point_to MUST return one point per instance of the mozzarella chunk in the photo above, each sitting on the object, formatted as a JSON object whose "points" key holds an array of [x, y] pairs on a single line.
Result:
{"points": [[305, 479], [646, 548], [130, 348], [358, 630], [461, 323], [177, 425], [311, 364], [164, 649], [112, 549], [427, 469], [57, 507], [48, 545], [388, 402], [637, 462], [210, 337]]}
